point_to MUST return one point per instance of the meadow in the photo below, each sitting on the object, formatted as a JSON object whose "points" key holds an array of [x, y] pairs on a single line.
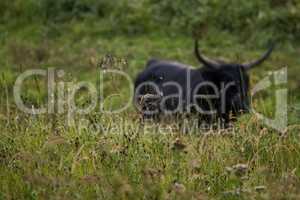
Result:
{"points": [[119, 156]]}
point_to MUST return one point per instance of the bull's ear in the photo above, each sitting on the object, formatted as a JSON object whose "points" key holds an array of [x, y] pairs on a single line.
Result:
{"points": [[252, 64], [202, 59]]}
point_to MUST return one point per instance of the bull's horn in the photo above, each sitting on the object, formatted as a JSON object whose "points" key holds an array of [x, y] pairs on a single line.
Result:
{"points": [[252, 64], [206, 61]]}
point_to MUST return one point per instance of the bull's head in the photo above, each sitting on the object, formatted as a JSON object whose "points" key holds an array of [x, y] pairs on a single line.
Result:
{"points": [[234, 77]]}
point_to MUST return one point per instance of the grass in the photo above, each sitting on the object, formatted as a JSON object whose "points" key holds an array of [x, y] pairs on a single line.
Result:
{"points": [[118, 156]]}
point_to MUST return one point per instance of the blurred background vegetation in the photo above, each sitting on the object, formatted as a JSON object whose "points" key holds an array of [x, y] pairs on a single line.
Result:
{"points": [[276, 19], [74, 34]]}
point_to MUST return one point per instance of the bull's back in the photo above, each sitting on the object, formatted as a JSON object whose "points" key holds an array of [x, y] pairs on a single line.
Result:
{"points": [[167, 71]]}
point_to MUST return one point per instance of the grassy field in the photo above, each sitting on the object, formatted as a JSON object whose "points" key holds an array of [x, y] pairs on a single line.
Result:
{"points": [[117, 156]]}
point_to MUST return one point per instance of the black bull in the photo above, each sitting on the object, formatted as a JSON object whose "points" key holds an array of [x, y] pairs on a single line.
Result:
{"points": [[218, 89]]}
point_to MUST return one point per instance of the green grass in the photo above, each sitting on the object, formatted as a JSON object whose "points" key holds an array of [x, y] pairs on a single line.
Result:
{"points": [[41, 157]]}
